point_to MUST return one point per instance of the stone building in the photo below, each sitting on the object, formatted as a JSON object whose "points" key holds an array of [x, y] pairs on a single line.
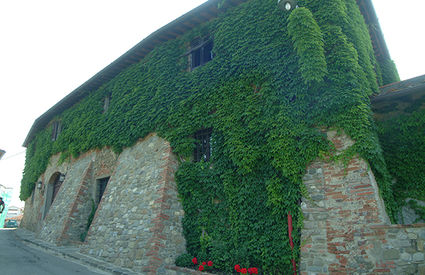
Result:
{"points": [[109, 187]]}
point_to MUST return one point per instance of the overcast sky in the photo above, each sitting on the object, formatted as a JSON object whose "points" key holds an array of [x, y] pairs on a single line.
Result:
{"points": [[50, 47]]}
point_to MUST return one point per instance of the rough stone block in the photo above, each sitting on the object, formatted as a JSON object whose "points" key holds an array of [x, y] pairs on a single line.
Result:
{"points": [[402, 236], [410, 250], [406, 256], [317, 197], [422, 234], [404, 243], [318, 262], [412, 236], [410, 269], [420, 245], [391, 254], [418, 257], [314, 269]]}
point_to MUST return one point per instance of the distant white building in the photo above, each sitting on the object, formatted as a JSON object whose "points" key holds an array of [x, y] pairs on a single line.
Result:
{"points": [[13, 211]]}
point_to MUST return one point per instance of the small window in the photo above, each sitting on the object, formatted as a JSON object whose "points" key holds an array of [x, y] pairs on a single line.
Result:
{"points": [[32, 196], [56, 129], [203, 145], [106, 101], [200, 52], [101, 186]]}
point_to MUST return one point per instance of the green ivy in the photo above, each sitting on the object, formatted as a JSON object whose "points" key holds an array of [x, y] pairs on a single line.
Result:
{"points": [[89, 221], [389, 71], [403, 141], [308, 42], [275, 80]]}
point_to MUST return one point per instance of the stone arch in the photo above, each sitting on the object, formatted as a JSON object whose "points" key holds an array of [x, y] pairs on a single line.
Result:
{"points": [[52, 190]]}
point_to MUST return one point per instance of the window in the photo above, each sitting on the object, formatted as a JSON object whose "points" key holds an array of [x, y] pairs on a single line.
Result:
{"points": [[56, 129], [101, 186], [106, 101], [203, 145], [200, 52]]}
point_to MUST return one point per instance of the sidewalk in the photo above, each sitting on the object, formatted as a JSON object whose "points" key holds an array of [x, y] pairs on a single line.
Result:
{"points": [[72, 253]]}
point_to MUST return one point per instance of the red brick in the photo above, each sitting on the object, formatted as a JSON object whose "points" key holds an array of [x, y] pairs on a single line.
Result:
{"points": [[163, 216], [361, 190], [365, 193]]}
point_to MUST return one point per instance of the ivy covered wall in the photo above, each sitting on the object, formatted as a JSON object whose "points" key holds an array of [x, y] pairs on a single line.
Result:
{"points": [[403, 141], [276, 79]]}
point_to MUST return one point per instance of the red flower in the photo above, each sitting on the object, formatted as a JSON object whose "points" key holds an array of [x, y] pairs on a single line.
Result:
{"points": [[250, 270], [210, 263], [254, 270], [243, 270], [194, 260], [204, 263], [238, 268], [201, 267]]}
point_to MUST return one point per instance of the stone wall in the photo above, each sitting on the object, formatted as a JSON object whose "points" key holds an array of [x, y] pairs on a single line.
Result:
{"points": [[57, 219], [32, 213], [65, 220], [346, 229], [76, 222], [398, 249], [102, 164], [138, 222]]}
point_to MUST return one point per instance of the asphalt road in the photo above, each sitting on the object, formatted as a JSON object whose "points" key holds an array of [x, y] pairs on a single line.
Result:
{"points": [[16, 258]]}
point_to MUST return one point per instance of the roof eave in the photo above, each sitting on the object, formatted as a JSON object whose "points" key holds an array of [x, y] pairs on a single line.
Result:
{"points": [[193, 18]]}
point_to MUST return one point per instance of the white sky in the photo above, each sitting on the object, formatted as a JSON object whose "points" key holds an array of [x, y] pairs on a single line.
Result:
{"points": [[50, 47]]}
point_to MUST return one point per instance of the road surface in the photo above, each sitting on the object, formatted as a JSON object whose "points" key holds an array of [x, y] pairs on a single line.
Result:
{"points": [[17, 258]]}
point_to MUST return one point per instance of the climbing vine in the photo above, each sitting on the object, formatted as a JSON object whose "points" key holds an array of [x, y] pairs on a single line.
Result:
{"points": [[403, 142], [275, 79]]}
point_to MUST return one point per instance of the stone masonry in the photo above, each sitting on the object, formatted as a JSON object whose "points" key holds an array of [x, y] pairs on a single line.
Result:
{"points": [[346, 229], [138, 222], [399, 249], [66, 219], [58, 215]]}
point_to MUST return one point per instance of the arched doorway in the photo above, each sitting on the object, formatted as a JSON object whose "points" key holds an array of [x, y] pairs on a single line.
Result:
{"points": [[53, 187]]}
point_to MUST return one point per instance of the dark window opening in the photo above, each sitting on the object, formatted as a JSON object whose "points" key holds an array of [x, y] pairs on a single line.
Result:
{"points": [[56, 186], [56, 129], [53, 186], [201, 52], [203, 145], [101, 186], [32, 196], [106, 102]]}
